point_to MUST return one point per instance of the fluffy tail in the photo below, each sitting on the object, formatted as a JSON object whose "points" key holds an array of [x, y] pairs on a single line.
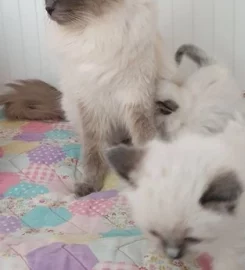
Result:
{"points": [[31, 100], [195, 53]]}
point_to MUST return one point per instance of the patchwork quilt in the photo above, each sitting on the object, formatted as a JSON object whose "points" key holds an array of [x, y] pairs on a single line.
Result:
{"points": [[43, 226]]}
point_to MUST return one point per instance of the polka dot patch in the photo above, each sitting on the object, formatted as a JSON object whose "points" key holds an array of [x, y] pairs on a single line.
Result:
{"points": [[59, 134], [42, 216], [91, 207], [9, 224], [40, 174], [26, 190], [46, 154]]}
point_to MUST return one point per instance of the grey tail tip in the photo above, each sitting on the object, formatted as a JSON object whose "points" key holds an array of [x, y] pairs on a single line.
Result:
{"points": [[184, 49], [195, 53]]}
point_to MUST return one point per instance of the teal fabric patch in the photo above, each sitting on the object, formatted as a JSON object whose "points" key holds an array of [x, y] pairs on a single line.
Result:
{"points": [[59, 134], [122, 233], [26, 190], [72, 150], [42, 216]]}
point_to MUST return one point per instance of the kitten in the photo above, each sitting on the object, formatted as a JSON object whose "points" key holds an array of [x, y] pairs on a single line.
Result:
{"points": [[187, 195], [110, 55], [203, 94], [31, 100]]}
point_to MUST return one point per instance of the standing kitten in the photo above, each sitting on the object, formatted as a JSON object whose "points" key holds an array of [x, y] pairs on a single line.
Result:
{"points": [[205, 95], [110, 54], [188, 195]]}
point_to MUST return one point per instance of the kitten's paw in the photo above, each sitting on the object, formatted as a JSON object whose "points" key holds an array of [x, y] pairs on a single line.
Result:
{"points": [[167, 107], [84, 189]]}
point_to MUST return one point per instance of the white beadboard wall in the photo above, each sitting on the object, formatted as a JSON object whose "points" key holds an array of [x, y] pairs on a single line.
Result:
{"points": [[218, 26]]}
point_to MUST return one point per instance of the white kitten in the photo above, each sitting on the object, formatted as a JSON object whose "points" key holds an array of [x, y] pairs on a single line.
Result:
{"points": [[188, 195], [205, 95]]}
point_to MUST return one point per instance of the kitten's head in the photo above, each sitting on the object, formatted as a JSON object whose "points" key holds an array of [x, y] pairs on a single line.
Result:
{"points": [[69, 11], [181, 193]]}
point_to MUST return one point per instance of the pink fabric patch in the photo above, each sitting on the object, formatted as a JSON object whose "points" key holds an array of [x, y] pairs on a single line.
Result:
{"points": [[7, 180], [36, 127], [205, 262], [91, 207], [92, 225], [40, 174]]}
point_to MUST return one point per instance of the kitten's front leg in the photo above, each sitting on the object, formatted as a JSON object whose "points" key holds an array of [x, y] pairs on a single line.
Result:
{"points": [[141, 124], [94, 167]]}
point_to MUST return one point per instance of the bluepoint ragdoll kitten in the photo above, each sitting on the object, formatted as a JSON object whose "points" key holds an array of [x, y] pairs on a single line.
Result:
{"points": [[203, 94], [188, 195], [110, 55]]}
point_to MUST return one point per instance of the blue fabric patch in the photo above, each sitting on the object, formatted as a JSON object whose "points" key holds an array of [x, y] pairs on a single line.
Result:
{"points": [[42, 216], [26, 190]]}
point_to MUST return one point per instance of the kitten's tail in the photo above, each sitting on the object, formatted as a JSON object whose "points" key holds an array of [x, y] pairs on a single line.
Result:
{"points": [[31, 100], [193, 52]]}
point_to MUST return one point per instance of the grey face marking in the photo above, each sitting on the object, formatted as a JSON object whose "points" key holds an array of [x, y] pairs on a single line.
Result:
{"points": [[124, 160], [64, 11], [223, 193], [68, 11]]}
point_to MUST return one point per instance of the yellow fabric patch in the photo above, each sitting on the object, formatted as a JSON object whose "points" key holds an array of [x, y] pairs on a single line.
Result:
{"points": [[12, 124], [111, 182], [76, 238], [19, 147]]}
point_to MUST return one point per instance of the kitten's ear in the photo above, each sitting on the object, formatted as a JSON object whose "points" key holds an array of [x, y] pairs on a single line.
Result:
{"points": [[124, 160], [223, 193]]}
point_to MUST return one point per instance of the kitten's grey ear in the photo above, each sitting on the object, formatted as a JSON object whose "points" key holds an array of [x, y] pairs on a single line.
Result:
{"points": [[124, 160], [223, 193]]}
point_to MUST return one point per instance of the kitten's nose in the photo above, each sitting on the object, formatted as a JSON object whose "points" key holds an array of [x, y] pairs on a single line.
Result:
{"points": [[50, 10]]}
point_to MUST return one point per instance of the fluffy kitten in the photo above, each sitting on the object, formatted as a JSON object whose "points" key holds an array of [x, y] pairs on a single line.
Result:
{"points": [[188, 195], [110, 56], [31, 100], [204, 95]]}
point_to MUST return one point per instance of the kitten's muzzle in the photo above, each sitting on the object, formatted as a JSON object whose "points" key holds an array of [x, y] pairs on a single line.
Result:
{"points": [[174, 253]]}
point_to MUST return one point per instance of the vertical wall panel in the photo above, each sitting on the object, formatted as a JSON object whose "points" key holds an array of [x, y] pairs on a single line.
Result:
{"points": [[13, 37], [203, 24], [28, 20], [240, 42], [47, 61], [223, 31], [166, 21], [4, 63], [215, 25], [182, 22]]}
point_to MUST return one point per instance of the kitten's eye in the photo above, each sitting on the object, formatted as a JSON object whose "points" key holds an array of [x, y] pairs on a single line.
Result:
{"points": [[192, 240], [154, 233]]}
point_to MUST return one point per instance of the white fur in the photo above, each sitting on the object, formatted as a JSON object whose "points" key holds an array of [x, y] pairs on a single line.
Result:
{"points": [[100, 63], [207, 100], [171, 179]]}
